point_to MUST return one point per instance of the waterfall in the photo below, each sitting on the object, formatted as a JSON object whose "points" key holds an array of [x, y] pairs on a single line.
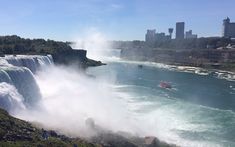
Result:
{"points": [[10, 99], [33, 62], [18, 87]]}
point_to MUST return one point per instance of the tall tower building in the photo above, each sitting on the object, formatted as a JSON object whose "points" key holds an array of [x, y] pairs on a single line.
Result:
{"points": [[179, 30], [228, 28]]}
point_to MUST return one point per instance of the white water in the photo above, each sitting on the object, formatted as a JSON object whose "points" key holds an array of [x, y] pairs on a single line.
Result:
{"points": [[10, 99], [18, 85], [67, 98]]}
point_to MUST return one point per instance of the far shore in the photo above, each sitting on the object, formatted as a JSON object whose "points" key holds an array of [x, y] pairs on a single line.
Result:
{"points": [[188, 66]]}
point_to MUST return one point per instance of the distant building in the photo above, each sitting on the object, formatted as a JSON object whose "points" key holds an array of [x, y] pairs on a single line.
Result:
{"points": [[162, 37], [179, 30], [189, 34], [150, 36], [170, 30], [228, 28]]}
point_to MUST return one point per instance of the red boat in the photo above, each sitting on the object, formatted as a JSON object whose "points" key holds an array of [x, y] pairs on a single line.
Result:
{"points": [[165, 85]]}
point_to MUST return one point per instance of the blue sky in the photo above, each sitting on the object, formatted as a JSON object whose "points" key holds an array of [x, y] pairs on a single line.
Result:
{"points": [[115, 19]]}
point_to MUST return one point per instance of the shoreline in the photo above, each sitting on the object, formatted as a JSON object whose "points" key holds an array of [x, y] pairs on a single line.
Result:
{"points": [[218, 73], [183, 65], [17, 132], [215, 59]]}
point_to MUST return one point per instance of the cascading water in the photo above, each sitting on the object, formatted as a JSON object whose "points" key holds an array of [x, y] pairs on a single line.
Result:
{"points": [[24, 81], [122, 97], [18, 87], [33, 63], [10, 99]]}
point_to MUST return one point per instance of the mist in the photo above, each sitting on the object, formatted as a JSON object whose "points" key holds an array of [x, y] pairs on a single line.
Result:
{"points": [[70, 98], [97, 45], [118, 98], [78, 104], [86, 103]]}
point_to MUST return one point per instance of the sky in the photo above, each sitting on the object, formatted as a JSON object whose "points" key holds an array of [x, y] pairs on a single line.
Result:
{"points": [[66, 20]]}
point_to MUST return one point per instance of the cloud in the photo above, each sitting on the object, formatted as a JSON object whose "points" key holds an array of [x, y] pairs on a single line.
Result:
{"points": [[116, 6]]}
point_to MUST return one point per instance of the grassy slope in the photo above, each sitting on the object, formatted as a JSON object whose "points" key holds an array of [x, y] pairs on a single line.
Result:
{"points": [[15, 132], [18, 133]]}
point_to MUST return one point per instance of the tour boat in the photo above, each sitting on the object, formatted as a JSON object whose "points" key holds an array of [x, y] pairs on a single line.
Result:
{"points": [[165, 85], [140, 66]]}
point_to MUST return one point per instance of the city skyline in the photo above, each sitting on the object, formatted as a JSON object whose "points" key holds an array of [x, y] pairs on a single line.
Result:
{"points": [[114, 19]]}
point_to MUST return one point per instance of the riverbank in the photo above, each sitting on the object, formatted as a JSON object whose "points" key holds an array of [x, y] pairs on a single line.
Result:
{"points": [[16, 132], [223, 59]]}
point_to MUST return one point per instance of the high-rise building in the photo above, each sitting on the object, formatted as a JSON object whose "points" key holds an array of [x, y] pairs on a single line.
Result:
{"points": [[179, 30], [150, 36], [228, 28], [189, 34]]}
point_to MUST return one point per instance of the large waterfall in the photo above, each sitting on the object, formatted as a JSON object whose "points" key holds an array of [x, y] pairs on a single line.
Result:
{"points": [[18, 87]]}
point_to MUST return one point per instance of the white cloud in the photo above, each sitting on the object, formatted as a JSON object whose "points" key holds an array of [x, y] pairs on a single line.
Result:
{"points": [[116, 6]]}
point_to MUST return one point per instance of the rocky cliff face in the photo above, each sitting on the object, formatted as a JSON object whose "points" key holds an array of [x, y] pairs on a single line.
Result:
{"points": [[62, 52], [70, 56], [74, 57]]}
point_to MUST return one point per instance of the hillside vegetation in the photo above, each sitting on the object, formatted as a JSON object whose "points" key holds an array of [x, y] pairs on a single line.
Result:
{"points": [[17, 45], [17, 133]]}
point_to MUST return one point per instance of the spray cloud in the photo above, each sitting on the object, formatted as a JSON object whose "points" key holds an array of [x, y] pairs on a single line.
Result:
{"points": [[97, 45], [70, 98]]}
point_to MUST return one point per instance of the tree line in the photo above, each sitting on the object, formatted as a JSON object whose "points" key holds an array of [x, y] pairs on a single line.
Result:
{"points": [[17, 45], [194, 43], [190, 44]]}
